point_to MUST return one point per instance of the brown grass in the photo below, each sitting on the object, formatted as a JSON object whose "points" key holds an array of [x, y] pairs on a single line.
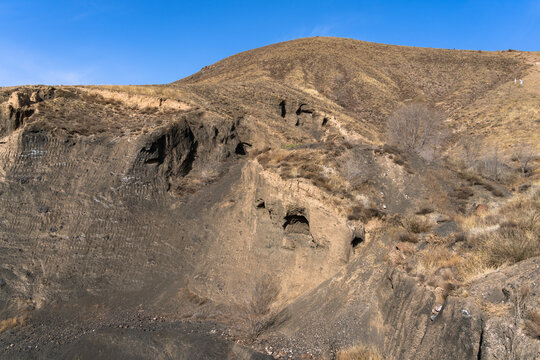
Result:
{"points": [[408, 237], [532, 323], [358, 352], [436, 257], [417, 225], [500, 309], [11, 323], [359, 212], [509, 246], [259, 313]]}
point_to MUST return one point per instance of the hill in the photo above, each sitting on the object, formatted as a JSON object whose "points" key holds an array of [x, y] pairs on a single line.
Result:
{"points": [[258, 206]]}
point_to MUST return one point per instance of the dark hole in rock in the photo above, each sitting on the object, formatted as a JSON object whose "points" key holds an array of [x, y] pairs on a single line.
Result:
{"points": [[324, 122], [260, 204], [356, 241], [296, 224], [301, 109], [241, 148], [282, 106]]}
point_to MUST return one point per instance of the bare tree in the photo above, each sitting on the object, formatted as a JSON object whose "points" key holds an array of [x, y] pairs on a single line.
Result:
{"points": [[524, 155], [416, 127]]}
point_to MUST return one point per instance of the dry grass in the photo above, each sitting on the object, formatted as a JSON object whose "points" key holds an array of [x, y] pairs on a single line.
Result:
{"points": [[169, 92], [436, 257], [12, 323], [501, 236], [417, 225], [408, 237], [532, 323], [473, 266], [499, 310], [508, 246], [358, 352], [259, 313], [362, 213]]}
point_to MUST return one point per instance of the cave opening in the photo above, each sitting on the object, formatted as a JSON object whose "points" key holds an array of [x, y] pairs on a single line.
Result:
{"points": [[356, 241], [282, 106], [296, 224], [241, 148]]}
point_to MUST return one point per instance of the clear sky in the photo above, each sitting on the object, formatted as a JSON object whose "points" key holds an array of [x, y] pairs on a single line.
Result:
{"points": [[160, 41]]}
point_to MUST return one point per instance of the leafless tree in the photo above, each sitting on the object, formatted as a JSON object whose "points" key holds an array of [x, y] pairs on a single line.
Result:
{"points": [[417, 127], [524, 155]]}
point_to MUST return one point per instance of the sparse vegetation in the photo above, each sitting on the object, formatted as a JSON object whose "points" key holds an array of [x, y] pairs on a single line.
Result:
{"points": [[417, 225], [259, 313], [359, 352], [10, 323], [418, 128], [532, 323]]}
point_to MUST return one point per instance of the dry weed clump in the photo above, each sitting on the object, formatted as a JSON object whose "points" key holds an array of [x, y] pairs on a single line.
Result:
{"points": [[502, 235], [417, 225], [532, 323], [408, 237], [11, 323], [359, 352], [259, 313], [362, 213], [473, 266], [436, 257], [508, 246]]}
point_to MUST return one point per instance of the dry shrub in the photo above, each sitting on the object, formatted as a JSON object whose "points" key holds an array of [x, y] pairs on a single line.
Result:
{"points": [[416, 127], [436, 257], [260, 316], [499, 309], [362, 213], [359, 352], [417, 225], [424, 211], [408, 237], [532, 323], [510, 245], [11, 323], [463, 193]]}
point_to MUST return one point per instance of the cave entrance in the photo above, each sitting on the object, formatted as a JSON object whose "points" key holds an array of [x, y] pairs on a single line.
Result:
{"points": [[357, 240], [283, 108], [296, 224], [241, 148]]}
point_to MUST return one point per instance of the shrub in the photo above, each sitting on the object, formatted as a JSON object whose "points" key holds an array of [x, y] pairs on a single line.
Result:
{"points": [[11, 323], [418, 128], [524, 154], [424, 211], [408, 237], [416, 225], [359, 352], [260, 316], [510, 245], [437, 257], [363, 214], [532, 323]]}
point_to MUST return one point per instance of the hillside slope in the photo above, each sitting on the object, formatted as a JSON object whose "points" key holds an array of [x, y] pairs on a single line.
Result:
{"points": [[258, 202]]}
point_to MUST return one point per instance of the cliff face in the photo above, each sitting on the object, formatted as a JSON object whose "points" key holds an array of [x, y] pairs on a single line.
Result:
{"points": [[252, 202]]}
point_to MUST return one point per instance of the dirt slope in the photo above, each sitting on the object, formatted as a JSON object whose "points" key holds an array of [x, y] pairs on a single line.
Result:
{"points": [[132, 215]]}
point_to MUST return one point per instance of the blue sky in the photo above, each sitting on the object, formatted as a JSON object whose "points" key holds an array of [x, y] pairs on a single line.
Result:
{"points": [[152, 42]]}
